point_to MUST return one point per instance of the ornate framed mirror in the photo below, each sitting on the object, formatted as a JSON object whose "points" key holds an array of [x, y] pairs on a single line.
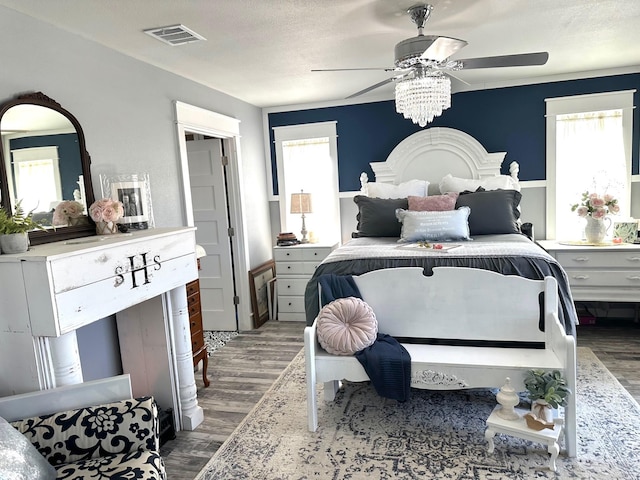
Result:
{"points": [[44, 161]]}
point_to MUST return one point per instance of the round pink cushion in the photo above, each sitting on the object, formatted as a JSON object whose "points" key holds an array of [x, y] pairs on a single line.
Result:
{"points": [[346, 326]]}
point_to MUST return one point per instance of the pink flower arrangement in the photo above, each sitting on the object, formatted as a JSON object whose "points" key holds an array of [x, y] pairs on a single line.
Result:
{"points": [[596, 206], [65, 211], [106, 210]]}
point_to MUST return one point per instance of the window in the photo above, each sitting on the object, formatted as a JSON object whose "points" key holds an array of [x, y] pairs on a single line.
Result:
{"points": [[588, 149], [306, 158], [34, 169]]}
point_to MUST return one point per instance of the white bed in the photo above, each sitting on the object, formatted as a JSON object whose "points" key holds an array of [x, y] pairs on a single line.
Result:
{"points": [[445, 158]]}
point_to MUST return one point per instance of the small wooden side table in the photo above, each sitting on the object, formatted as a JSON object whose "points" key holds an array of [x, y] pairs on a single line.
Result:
{"points": [[518, 428]]}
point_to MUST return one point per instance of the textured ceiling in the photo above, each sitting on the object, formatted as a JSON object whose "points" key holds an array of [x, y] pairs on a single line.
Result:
{"points": [[262, 51]]}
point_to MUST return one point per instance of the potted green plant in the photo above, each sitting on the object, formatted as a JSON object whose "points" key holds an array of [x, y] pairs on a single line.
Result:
{"points": [[14, 236], [547, 390]]}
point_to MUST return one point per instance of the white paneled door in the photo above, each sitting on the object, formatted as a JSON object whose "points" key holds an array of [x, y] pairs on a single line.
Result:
{"points": [[208, 193]]}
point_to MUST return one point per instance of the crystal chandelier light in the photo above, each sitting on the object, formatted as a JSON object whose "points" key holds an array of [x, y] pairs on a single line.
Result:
{"points": [[423, 96]]}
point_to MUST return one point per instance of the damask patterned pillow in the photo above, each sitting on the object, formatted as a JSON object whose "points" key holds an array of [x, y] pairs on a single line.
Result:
{"points": [[346, 326]]}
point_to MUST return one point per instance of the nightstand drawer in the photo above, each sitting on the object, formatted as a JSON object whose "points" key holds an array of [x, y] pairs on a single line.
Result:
{"points": [[315, 253], [290, 304], [290, 268], [599, 259], [583, 278], [292, 286], [284, 254]]}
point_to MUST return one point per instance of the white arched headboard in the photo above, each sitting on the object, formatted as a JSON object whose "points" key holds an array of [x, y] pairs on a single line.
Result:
{"points": [[432, 153]]}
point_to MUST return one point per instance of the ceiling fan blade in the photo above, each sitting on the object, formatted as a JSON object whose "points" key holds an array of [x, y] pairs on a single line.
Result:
{"points": [[442, 48], [372, 87], [391, 69], [517, 60], [457, 78]]}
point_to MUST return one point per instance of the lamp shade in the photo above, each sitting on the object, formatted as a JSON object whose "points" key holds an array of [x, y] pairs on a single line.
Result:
{"points": [[301, 203]]}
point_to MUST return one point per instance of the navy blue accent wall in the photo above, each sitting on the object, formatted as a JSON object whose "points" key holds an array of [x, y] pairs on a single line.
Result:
{"points": [[503, 120], [70, 162]]}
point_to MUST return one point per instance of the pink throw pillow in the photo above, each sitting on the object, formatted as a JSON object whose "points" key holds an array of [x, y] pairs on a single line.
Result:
{"points": [[434, 203]]}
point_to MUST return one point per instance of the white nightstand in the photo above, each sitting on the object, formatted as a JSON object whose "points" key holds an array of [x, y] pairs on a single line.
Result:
{"points": [[518, 428], [609, 273], [294, 267]]}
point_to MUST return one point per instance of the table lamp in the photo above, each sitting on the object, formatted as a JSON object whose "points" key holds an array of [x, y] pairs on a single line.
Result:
{"points": [[301, 203]]}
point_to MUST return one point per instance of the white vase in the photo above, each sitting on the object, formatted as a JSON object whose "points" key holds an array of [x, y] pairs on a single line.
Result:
{"points": [[542, 410], [596, 230], [106, 228], [14, 242]]}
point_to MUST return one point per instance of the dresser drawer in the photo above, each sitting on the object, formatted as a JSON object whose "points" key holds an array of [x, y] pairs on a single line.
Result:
{"points": [[604, 278], [194, 300], [197, 342], [288, 303], [193, 287], [195, 324], [607, 259], [292, 286]]}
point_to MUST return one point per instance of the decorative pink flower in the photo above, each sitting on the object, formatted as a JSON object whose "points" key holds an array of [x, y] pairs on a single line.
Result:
{"points": [[596, 206], [106, 210], [65, 211], [596, 202]]}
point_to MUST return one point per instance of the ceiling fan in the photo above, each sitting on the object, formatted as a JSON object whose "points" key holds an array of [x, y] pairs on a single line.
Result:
{"points": [[428, 56]]}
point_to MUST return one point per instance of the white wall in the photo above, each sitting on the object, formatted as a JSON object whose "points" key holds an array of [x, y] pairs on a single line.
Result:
{"points": [[126, 111]]}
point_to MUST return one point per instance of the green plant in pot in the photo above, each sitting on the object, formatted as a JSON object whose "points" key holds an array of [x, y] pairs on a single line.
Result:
{"points": [[14, 236], [547, 390]]}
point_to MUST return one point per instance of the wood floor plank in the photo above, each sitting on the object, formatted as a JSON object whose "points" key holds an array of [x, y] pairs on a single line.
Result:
{"points": [[246, 367]]}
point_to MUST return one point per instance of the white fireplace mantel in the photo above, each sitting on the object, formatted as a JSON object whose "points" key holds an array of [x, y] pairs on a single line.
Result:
{"points": [[53, 289]]}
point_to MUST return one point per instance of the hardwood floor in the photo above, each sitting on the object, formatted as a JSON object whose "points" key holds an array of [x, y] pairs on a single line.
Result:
{"points": [[244, 369], [240, 373]]}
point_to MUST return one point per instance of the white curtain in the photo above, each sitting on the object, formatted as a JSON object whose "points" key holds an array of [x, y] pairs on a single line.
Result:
{"points": [[590, 157]]}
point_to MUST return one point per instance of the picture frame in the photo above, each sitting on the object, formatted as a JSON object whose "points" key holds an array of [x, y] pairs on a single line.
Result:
{"points": [[260, 280], [134, 193]]}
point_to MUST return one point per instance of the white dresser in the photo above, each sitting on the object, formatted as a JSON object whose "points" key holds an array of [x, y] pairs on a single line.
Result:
{"points": [[599, 273], [294, 267]]}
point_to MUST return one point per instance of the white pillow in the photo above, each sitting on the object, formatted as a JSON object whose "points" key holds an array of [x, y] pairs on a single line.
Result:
{"points": [[450, 183], [434, 226], [416, 188]]}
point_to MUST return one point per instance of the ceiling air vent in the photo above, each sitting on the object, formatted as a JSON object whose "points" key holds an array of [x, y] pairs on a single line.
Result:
{"points": [[174, 35]]}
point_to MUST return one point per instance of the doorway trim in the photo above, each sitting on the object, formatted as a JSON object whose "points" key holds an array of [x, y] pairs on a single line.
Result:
{"points": [[190, 118]]}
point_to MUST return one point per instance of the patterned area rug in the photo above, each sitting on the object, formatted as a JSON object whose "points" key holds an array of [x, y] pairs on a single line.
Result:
{"points": [[433, 435], [215, 340]]}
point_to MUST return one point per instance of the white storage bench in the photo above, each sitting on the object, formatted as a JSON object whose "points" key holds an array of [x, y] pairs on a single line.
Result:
{"points": [[457, 304]]}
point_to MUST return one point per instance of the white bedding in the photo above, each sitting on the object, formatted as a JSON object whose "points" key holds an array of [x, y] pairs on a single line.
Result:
{"points": [[481, 246]]}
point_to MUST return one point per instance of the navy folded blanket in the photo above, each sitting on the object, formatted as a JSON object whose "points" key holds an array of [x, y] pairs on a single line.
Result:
{"points": [[387, 362]]}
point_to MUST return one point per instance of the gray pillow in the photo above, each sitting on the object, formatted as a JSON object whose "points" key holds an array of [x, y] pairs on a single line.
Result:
{"points": [[436, 226], [492, 211], [19, 459], [377, 216]]}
